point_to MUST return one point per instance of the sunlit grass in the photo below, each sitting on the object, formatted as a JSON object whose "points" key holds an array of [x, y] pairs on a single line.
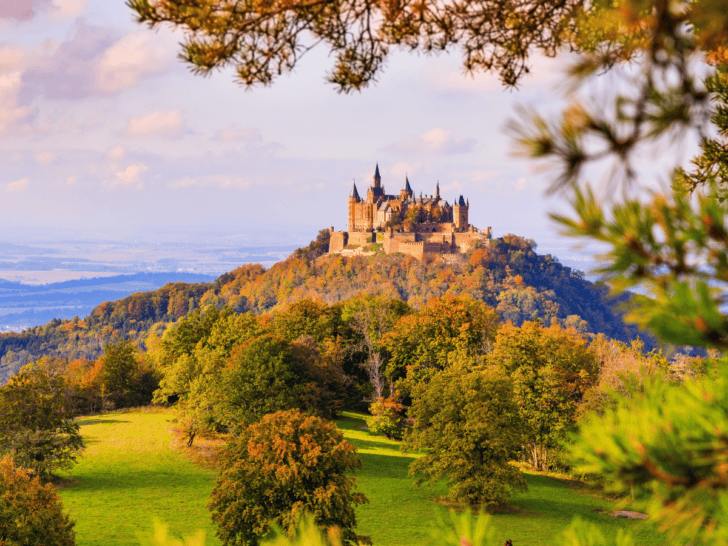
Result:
{"points": [[401, 515], [130, 475]]}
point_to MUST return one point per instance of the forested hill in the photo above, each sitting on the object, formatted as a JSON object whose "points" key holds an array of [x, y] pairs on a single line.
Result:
{"points": [[508, 275]]}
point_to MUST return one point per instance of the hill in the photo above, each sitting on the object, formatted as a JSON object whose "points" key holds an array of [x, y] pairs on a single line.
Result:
{"points": [[508, 274]]}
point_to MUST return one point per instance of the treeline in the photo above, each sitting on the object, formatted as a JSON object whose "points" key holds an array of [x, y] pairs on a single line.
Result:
{"points": [[507, 275]]}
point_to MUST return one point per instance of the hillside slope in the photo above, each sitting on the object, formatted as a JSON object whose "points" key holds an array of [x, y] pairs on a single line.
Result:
{"points": [[508, 275]]}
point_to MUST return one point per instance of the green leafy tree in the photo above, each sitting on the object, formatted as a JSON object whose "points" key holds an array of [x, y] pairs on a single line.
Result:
{"points": [[467, 419], [125, 380], [37, 427], [551, 368], [280, 469], [30, 512], [261, 377]]}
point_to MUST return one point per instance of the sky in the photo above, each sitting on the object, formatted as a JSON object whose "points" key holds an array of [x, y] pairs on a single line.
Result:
{"points": [[105, 133]]}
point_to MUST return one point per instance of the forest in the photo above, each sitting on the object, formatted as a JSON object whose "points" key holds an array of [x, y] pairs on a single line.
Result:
{"points": [[508, 275]]}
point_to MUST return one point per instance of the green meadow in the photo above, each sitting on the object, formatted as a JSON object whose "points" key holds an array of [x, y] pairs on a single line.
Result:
{"points": [[130, 475]]}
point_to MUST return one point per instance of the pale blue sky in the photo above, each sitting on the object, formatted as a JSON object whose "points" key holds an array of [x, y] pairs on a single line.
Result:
{"points": [[104, 131]]}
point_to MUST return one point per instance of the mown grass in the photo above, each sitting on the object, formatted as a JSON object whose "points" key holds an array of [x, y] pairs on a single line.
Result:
{"points": [[401, 515], [130, 474]]}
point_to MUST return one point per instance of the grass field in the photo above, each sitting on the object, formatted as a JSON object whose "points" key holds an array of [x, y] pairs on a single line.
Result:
{"points": [[130, 475]]}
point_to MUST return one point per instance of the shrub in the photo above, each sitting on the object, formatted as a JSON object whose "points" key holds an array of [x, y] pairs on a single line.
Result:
{"points": [[387, 418], [30, 512], [277, 470]]}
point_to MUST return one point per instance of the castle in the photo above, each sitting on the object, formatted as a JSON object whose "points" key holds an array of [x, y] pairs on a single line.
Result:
{"points": [[404, 223]]}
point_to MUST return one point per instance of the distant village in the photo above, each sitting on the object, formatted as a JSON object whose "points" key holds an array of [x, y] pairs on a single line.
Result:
{"points": [[404, 223]]}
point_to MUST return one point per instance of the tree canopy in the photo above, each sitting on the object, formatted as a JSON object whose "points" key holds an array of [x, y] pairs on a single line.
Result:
{"points": [[280, 469]]}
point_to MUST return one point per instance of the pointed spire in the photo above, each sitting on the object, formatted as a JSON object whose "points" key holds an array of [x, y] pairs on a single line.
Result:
{"points": [[461, 201], [437, 190], [377, 177], [354, 194], [407, 186]]}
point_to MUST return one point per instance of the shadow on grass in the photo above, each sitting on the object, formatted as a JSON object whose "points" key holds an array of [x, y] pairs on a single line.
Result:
{"points": [[101, 421], [552, 497], [111, 482], [385, 466]]}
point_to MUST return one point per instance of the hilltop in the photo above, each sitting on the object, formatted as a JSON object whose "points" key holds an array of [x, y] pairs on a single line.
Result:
{"points": [[507, 274]]}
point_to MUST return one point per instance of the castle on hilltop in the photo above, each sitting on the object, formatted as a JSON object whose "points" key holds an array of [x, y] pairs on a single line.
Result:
{"points": [[405, 223]]}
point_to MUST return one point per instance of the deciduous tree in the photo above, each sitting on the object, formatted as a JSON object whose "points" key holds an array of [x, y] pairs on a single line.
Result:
{"points": [[37, 427], [30, 512], [467, 419], [276, 471]]}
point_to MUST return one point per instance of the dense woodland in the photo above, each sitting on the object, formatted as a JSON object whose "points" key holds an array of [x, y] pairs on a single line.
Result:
{"points": [[508, 275]]}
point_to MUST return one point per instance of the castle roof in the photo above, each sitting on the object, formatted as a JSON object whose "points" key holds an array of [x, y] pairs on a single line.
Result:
{"points": [[384, 206], [461, 201], [376, 173], [407, 186], [354, 193]]}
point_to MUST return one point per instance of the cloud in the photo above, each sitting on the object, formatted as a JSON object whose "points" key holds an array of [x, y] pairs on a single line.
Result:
{"points": [[520, 184], [44, 158], [123, 64], [116, 153], [166, 124], [95, 61], [235, 134], [129, 176], [434, 141], [16, 185], [14, 117], [218, 181], [22, 10]]}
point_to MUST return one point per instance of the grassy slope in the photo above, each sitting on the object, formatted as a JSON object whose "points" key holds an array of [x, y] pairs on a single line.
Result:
{"points": [[400, 515], [129, 475]]}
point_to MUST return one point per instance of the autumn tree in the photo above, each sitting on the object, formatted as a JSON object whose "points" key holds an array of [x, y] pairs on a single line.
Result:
{"points": [[37, 427], [467, 419], [551, 369], [420, 343], [31, 512], [280, 469]]}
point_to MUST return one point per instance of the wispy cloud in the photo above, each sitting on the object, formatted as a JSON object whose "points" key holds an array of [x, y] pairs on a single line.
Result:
{"points": [[95, 61], [434, 141], [131, 176], [17, 185], [23, 10], [165, 124]]}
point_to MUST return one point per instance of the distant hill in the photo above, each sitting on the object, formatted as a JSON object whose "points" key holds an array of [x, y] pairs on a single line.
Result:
{"points": [[508, 275], [24, 305]]}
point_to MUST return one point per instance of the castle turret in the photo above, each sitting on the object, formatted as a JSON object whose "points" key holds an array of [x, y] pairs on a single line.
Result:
{"points": [[437, 190], [354, 199], [406, 191], [460, 214], [377, 178]]}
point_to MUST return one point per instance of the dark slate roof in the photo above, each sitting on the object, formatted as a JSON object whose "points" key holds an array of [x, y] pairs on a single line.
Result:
{"points": [[376, 172], [407, 184], [354, 193], [461, 201]]}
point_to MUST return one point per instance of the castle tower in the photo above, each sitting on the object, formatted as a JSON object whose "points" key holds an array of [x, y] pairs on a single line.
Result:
{"points": [[406, 191], [460, 214], [354, 199], [437, 190], [377, 178]]}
